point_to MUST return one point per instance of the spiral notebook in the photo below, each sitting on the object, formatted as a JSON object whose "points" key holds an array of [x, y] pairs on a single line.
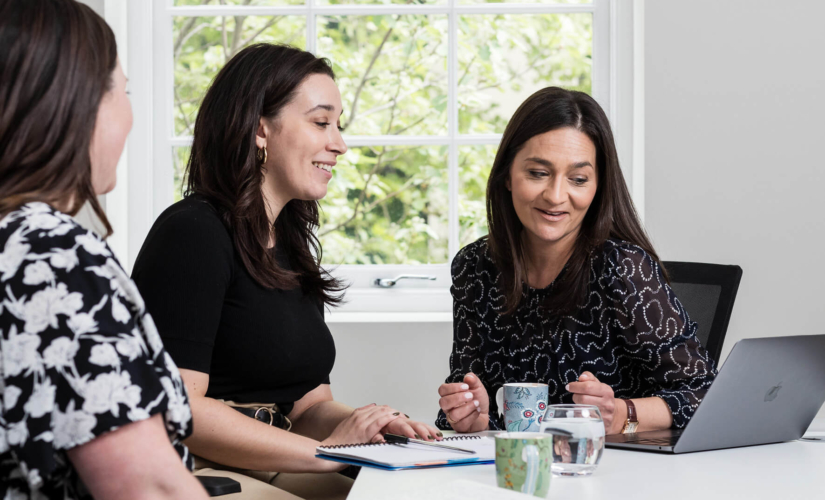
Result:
{"points": [[412, 456]]}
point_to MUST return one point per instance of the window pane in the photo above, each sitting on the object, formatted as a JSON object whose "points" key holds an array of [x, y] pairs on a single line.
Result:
{"points": [[474, 164], [527, 1], [202, 45], [387, 205], [392, 72], [180, 156], [253, 3], [503, 59], [377, 2]]}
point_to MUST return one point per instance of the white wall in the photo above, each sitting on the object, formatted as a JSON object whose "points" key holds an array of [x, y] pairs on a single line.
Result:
{"points": [[735, 100]]}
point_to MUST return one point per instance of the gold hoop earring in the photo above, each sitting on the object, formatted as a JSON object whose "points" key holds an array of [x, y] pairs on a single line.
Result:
{"points": [[261, 155]]}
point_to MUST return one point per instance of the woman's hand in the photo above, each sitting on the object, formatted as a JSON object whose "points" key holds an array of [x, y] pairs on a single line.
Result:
{"points": [[466, 404], [413, 429], [363, 425], [589, 391]]}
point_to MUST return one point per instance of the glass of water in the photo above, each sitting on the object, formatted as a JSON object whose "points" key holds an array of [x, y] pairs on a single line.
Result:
{"points": [[578, 438]]}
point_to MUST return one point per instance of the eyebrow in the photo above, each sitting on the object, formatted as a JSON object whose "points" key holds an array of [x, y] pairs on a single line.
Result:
{"points": [[328, 107], [549, 164]]}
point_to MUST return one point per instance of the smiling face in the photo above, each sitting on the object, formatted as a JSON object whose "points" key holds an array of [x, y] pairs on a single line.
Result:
{"points": [[553, 182], [303, 142]]}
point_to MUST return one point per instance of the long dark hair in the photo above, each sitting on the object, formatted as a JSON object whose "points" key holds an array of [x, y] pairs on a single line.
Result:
{"points": [[611, 214], [258, 82], [56, 64]]}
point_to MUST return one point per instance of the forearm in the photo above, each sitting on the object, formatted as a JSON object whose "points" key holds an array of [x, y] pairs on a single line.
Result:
{"points": [[653, 415], [319, 420], [228, 437]]}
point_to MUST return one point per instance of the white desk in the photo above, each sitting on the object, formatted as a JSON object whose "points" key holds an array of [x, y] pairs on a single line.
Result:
{"points": [[778, 471]]}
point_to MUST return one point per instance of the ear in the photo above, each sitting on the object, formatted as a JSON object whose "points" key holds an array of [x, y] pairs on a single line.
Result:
{"points": [[507, 182], [262, 133]]}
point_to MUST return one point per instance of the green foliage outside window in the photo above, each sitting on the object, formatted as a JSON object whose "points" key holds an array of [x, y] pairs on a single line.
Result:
{"points": [[390, 204]]}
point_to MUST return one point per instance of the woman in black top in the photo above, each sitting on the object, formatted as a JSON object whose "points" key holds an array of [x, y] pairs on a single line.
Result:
{"points": [[83, 372], [566, 289], [232, 276]]}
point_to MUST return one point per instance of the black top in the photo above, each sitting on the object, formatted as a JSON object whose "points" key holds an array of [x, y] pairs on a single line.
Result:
{"points": [[256, 344], [632, 333], [80, 355]]}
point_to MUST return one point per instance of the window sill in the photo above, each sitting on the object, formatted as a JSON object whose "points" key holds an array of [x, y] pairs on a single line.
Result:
{"points": [[335, 317]]}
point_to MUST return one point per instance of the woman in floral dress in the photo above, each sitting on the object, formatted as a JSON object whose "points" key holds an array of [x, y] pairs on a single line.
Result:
{"points": [[92, 404]]}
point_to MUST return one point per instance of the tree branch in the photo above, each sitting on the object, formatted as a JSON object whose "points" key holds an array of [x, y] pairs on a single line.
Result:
{"points": [[357, 95]]}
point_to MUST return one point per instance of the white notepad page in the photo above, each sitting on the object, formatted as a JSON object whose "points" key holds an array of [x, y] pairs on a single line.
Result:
{"points": [[407, 455]]}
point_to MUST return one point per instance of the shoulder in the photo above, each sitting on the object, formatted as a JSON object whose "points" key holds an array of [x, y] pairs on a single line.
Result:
{"points": [[192, 214], [192, 224], [36, 232], [620, 264], [472, 259]]}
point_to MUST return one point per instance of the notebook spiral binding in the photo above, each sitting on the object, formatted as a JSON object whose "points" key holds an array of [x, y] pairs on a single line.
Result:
{"points": [[364, 445]]}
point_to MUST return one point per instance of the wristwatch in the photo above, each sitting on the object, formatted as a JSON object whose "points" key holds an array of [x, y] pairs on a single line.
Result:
{"points": [[632, 423]]}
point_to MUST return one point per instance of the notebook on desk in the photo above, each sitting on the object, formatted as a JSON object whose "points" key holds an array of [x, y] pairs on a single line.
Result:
{"points": [[412, 456]]}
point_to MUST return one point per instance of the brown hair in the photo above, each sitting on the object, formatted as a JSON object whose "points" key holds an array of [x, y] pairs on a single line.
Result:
{"points": [[55, 66], [257, 82], [611, 214]]}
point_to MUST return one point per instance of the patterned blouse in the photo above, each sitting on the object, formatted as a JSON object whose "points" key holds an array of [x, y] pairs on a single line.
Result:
{"points": [[632, 333], [80, 355]]}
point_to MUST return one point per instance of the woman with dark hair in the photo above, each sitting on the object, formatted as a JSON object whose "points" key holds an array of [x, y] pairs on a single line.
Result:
{"points": [[566, 289], [232, 276], [83, 372]]}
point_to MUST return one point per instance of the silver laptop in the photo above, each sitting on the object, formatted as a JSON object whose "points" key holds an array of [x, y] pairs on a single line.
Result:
{"points": [[768, 391]]}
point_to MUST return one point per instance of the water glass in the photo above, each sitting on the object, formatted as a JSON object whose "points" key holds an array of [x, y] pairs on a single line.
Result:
{"points": [[578, 453]]}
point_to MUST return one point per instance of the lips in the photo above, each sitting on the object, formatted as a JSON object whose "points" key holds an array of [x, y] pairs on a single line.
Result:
{"points": [[323, 166], [552, 215]]}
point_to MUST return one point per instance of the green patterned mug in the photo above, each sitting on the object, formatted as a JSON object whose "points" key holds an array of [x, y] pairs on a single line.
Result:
{"points": [[523, 461]]}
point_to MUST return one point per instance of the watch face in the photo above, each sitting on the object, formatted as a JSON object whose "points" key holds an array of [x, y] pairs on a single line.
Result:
{"points": [[630, 427]]}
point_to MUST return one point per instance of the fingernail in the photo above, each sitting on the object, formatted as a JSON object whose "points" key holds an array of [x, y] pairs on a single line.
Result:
{"points": [[464, 387], [372, 404], [430, 437], [567, 387], [476, 402], [478, 410], [417, 436], [396, 414], [468, 395], [406, 415], [440, 435]]}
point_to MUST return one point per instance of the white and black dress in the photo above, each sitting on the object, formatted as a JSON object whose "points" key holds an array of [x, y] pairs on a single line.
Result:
{"points": [[80, 355], [632, 333]]}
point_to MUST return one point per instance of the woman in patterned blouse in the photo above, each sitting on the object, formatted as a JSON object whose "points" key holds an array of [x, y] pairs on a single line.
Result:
{"points": [[92, 405], [567, 289]]}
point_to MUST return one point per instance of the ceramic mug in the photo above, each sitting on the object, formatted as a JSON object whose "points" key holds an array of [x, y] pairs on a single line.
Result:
{"points": [[523, 406], [524, 461]]}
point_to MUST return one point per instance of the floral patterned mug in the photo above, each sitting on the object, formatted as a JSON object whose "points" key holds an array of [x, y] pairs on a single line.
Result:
{"points": [[523, 406], [523, 462]]}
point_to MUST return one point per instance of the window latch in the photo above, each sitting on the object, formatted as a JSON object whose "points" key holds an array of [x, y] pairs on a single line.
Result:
{"points": [[389, 283]]}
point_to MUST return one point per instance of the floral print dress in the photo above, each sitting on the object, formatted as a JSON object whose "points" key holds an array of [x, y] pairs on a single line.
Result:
{"points": [[79, 354]]}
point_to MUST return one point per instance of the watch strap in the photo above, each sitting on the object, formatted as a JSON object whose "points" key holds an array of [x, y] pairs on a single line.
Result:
{"points": [[631, 412]]}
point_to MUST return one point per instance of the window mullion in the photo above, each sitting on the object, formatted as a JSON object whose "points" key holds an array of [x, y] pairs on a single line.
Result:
{"points": [[312, 46], [452, 125]]}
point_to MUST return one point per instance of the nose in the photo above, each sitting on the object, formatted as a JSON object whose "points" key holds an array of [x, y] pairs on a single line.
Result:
{"points": [[556, 191], [336, 143]]}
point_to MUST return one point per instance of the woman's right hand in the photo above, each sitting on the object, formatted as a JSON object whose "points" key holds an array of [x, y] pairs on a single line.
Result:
{"points": [[466, 404], [363, 425]]}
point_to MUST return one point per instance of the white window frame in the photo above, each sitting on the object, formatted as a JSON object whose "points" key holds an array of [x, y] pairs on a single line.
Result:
{"points": [[617, 66]]}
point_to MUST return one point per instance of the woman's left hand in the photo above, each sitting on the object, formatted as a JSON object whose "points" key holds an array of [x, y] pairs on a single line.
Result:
{"points": [[412, 429], [589, 391]]}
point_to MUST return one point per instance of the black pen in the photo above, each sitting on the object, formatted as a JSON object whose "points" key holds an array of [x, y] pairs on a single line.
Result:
{"points": [[395, 439]]}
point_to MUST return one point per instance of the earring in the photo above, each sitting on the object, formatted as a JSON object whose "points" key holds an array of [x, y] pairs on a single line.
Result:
{"points": [[261, 155]]}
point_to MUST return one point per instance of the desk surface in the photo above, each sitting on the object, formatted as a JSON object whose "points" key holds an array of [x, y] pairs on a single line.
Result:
{"points": [[786, 470]]}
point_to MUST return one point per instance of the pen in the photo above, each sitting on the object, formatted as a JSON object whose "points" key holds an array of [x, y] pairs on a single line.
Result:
{"points": [[395, 439]]}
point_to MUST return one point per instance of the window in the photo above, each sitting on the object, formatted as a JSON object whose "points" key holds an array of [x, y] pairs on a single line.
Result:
{"points": [[427, 88]]}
